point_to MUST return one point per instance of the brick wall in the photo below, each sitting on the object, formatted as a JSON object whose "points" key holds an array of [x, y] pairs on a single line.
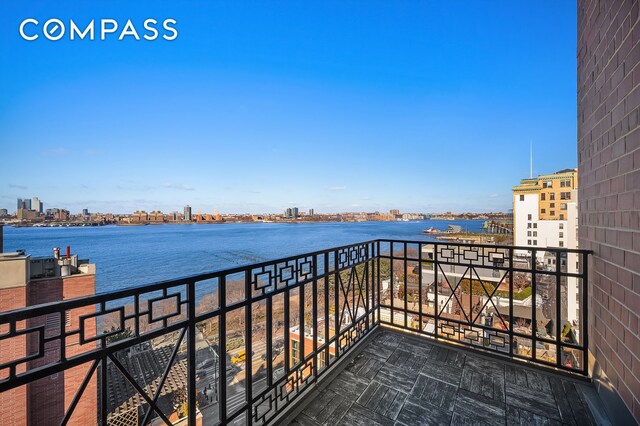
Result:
{"points": [[12, 413], [49, 398], [609, 195]]}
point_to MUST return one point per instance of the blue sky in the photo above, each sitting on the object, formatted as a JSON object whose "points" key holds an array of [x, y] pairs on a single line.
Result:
{"points": [[259, 106]]}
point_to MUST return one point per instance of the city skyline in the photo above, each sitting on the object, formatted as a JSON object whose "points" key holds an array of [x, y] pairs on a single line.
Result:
{"points": [[257, 112]]}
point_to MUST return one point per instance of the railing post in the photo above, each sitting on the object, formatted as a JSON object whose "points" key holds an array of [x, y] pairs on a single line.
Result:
{"points": [[436, 285], [534, 306], [510, 301], [558, 308], [248, 374], [222, 350], [584, 321], [191, 353]]}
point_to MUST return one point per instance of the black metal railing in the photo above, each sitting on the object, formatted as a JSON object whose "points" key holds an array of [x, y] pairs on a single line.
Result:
{"points": [[241, 345], [521, 302]]}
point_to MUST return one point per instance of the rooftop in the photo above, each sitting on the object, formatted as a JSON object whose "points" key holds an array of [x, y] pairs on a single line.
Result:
{"points": [[397, 379]]}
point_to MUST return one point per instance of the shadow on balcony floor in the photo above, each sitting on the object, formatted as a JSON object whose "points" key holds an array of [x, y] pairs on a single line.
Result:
{"points": [[402, 380]]}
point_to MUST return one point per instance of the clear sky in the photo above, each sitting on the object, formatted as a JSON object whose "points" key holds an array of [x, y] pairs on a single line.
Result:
{"points": [[258, 106]]}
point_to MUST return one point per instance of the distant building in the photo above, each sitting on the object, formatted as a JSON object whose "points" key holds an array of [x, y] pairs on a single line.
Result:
{"points": [[140, 216], [23, 204], [85, 212], [156, 217], [311, 212], [295, 212], [545, 214], [26, 214], [62, 215], [394, 212], [36, 204], [187, 213], [4, 212]]}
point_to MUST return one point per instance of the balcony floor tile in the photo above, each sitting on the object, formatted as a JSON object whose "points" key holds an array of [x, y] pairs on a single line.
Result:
{"points": [[397, 379]]}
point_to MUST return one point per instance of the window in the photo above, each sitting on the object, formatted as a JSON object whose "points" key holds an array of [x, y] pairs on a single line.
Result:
{"points": [[528, 225], [553, 213], [295, 352], [562, 235], [528, 242], [565, 195], [535, 233], [561, 243], [529, 217], [563, 206], [535, 226], [561, 217], [522, 197], [547, 184], [552, 196], [552, 205], [562, 226], [535, 242], [543, 196], [528, 233], [543, 211]]}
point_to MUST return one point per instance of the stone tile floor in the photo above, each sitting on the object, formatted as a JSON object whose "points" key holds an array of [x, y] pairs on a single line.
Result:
{"points": [[403, 380]]}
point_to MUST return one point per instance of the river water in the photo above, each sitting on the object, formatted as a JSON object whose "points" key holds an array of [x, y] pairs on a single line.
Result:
{"points": [[134, 255]]}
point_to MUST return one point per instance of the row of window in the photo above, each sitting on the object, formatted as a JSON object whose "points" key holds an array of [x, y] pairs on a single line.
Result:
{"points": [[535, 243]]}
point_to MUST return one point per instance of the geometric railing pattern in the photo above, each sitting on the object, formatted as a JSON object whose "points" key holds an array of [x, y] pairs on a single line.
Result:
{"points": [[235, 346], [522, 302], [239, 346]]}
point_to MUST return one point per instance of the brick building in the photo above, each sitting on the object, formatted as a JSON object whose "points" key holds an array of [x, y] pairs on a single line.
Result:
{"points": [[25, 281], [609, 195]]}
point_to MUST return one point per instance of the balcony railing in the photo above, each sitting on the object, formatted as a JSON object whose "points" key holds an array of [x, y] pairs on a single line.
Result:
{"points": [[241, 345]]}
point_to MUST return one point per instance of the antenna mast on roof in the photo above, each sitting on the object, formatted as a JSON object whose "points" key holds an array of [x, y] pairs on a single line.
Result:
{"points": [[530, 159]]}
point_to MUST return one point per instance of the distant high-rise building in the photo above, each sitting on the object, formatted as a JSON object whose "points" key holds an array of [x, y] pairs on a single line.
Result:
{"points": [[85, 212], [294, 212], [394, 212], [24, 204], [311, 212], [187, 213], [36, 204], [3, 212], [288, 212]]}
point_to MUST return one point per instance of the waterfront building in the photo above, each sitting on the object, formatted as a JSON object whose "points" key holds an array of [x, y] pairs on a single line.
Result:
{"points": [[187, 213], [156, 217], [394, 212], [85, 212], [140, 216], [62, 215], [311, 212], [26, 214]]}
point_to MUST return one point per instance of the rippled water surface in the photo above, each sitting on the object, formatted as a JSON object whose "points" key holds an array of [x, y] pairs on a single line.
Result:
{"points": [[133, 255]]}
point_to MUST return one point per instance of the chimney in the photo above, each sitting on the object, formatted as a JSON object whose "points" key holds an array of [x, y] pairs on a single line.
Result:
{"points": [[68, 252]]}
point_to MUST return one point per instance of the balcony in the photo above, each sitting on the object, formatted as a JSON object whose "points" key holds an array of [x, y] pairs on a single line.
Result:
{"points": [[440, 330]]}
